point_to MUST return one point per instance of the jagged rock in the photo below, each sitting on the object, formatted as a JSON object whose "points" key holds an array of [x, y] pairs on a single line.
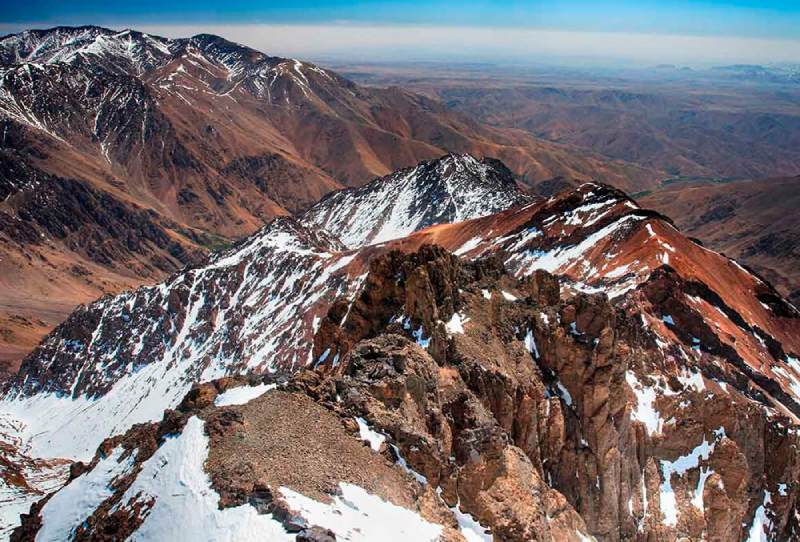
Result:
{"points": [[316, 534]]}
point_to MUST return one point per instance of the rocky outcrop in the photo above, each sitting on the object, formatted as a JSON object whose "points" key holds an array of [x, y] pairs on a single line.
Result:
{"points": [[542, 414], [633, 438]]}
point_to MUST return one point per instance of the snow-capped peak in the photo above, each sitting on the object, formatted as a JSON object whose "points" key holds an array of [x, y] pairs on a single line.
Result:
{"points": [[183, 69], [453, 188], [126, 51]]}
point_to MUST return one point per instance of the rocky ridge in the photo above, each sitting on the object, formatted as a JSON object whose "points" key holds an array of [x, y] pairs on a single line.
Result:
{"points": [[292, 297], [514, 414], [747, 220]]}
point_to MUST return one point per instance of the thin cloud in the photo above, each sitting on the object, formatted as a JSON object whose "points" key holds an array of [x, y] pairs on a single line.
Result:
{"points": [[381, 42]]}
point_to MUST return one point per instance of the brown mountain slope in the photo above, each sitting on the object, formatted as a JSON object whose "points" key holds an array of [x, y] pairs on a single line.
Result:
{"points": [[62, 241], [688, 122], [752, 221]]}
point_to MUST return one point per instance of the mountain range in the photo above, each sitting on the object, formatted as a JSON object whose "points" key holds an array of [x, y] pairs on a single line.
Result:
{"points": [[320, 326], [195, 143]]}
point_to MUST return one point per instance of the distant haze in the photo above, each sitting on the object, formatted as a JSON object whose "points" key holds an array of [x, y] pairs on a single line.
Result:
{"points": [[379, 42]]}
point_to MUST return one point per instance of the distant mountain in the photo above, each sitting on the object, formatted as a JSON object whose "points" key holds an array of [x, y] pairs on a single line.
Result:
{"points": [[747, 220], [647, 387], [204, 140], [685, 127], [786, 73], [451, 189]]}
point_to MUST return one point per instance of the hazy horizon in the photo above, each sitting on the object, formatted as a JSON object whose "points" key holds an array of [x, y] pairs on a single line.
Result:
{"points": [[381, 43], [695, 33]]}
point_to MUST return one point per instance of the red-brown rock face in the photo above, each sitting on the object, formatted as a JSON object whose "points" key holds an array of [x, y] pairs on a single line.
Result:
{"points": [[643, 440]]}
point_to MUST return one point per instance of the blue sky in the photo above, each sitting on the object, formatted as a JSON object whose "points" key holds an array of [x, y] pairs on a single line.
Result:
{"points": [[764, 18], [681, 31]]}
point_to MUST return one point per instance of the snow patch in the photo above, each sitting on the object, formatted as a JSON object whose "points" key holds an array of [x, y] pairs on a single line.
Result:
{"points": [[374, 438], [508, 296], [357, 516], [697, 500], [469, 526], [456, 324], [645, 410], [68, 508], [242, 394], [419, 337], [691, 379], [530, 344], [469, 245], [759, 530], [564, 393], [669, 503], [404, 465]]}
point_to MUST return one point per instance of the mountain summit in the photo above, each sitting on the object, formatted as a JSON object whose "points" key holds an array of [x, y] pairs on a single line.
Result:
{"points": [[450, 189]]}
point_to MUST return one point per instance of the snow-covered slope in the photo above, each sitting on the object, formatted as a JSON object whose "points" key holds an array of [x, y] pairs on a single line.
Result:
{"points": [[137, 53], [453, 188], [68, 82], [122, 360]]}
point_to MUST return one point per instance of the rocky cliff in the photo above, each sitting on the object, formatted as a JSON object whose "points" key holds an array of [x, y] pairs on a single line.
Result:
{"points": [[490, 408]]}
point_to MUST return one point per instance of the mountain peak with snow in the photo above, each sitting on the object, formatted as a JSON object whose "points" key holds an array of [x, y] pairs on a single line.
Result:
{"points": [[453, 188]]}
